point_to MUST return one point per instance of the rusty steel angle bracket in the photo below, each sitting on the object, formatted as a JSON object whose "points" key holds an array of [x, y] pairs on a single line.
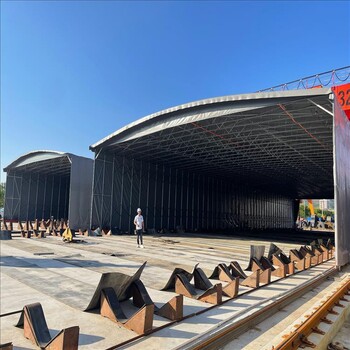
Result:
{"points": [[253, 280], [231, 288], [173, 309], [141, 322], [33, 321], [213, 295], [265, 276]]}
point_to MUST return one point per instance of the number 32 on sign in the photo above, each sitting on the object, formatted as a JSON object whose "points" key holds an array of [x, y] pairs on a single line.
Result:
{"points": [[343, 95]]}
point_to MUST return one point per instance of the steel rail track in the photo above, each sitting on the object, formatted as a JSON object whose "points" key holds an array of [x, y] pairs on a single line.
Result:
{"points": [[299, 336], [226, 331]]}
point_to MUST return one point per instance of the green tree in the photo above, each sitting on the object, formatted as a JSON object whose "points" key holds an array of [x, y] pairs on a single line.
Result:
{"points": [[304, 211], [325, 212], [2, 195]]}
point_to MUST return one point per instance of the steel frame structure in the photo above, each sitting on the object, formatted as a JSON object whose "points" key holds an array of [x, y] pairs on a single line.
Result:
{"points": [[331, 78], [248, 156]]}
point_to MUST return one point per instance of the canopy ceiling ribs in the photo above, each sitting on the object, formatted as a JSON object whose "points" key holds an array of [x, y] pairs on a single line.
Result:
{"points": [[282, 141]]}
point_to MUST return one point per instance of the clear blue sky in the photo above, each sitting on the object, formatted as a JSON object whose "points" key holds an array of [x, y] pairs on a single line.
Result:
{"points": [[74, 72]]}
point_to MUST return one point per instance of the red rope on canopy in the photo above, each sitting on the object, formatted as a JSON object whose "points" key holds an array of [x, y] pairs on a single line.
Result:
{"points": [[301, 126], [213, 133]]}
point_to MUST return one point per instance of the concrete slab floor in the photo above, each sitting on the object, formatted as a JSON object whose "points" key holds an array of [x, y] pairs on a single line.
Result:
{"points": [[63, 277], [342, 338]]}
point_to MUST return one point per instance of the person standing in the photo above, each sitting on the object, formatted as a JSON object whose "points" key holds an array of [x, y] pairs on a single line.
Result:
{"points": [[139, 227]]}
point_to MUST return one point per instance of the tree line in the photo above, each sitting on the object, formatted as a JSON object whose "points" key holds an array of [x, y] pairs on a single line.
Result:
{"points": [[304, 211], [2, 194]]}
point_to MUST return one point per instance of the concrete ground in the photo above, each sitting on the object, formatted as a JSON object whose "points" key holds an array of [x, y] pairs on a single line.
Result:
{"points": [[342, 338], [63, 277]]}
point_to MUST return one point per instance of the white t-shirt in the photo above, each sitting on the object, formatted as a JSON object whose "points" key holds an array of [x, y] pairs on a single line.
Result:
{"points": [[139, 220]]}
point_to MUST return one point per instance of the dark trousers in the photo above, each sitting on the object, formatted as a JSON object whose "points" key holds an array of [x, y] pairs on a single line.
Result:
{"points": [[139, 236]]}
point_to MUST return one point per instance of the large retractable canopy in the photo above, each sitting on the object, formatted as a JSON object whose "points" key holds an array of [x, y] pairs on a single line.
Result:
{"points": [[45, 162], [280, 141], [42, 184]]}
